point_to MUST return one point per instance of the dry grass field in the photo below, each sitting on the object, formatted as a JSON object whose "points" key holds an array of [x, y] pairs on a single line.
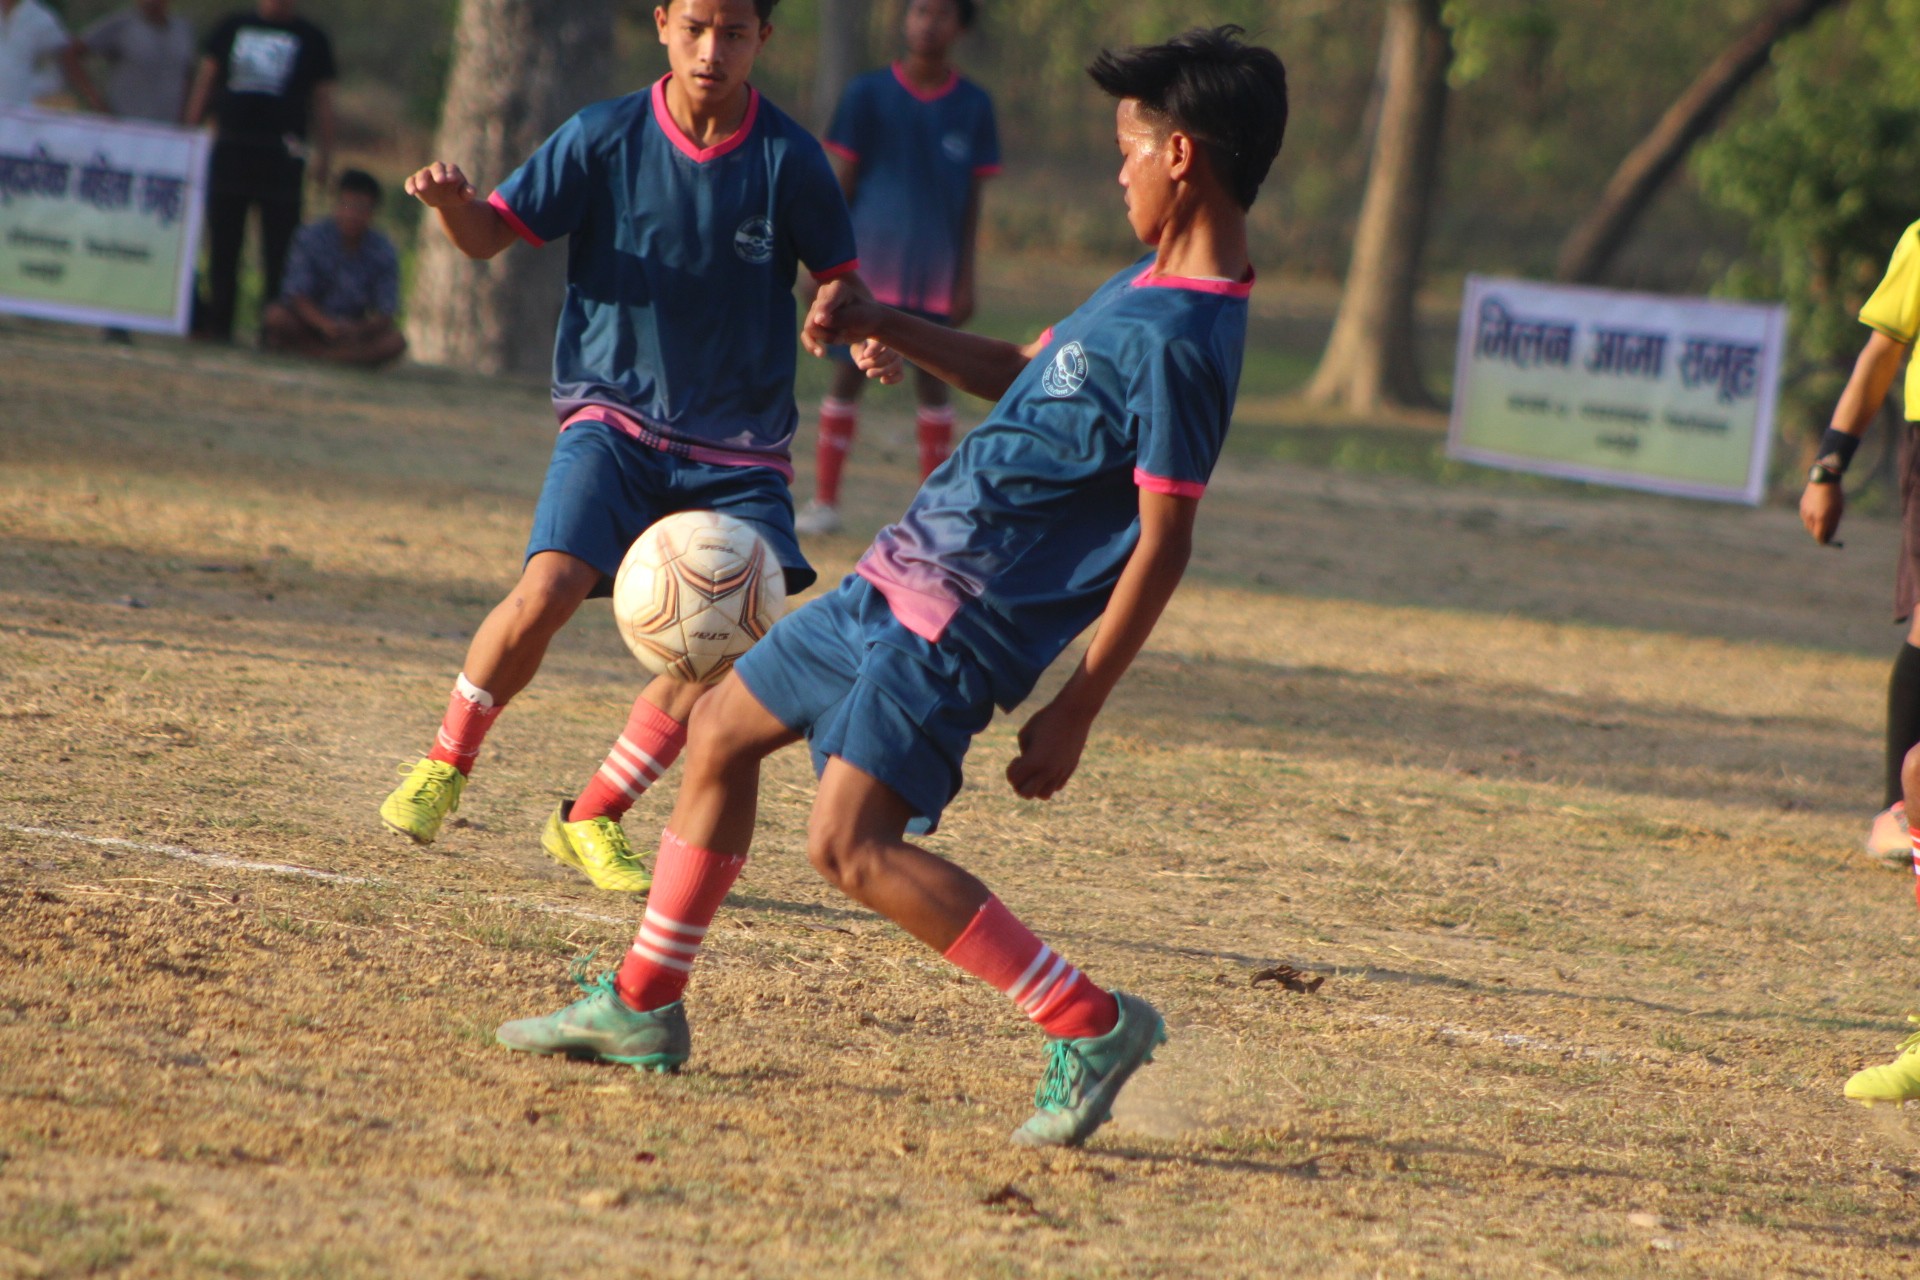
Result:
{"points": [[1559, 793]]}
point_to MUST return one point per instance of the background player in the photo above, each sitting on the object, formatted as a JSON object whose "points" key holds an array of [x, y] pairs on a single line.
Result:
{"points": [[688, 206], [1075, 500], [911, 144], [1893, 313]]}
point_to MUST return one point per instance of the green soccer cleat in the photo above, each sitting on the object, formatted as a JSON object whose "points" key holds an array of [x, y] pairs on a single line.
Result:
{"points": [[1083, 1077], [1896, 1082], [601, 1027], [598, 849], [419, 805]]}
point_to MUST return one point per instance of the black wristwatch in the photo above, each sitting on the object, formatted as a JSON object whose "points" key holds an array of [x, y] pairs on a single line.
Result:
{"points": [[1821, 473]]}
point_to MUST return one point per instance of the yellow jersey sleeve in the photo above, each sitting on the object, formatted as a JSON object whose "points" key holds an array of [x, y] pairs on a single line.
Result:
{"points": [[1894, 308]]}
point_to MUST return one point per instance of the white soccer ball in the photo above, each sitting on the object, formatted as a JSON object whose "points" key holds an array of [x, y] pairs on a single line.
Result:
{"points": [[694, 592]]}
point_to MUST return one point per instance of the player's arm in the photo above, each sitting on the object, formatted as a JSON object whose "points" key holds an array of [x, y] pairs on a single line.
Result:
{"points": [[73, 66], [963, 278], [845, 312], [323, 132], [200, 97], [846, 170], [475, 227], [1822, 505], [1052, 740]]}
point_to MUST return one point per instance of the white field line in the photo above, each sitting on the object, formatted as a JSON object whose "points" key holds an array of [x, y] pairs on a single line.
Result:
{"points": [[202, 858], [1498, 1039]]}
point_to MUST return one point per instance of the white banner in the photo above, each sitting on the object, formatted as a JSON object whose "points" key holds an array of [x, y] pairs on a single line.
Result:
{"points": [[99, 219], [1672, 395]]}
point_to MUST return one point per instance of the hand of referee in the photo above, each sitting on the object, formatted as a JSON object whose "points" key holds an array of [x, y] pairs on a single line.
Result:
{"points": [[1821, 506]]}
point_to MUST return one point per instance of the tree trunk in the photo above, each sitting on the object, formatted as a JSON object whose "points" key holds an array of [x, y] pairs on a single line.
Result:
{"points": [[1370, 359], [520, 69], [842, 51], [1590, 249]]}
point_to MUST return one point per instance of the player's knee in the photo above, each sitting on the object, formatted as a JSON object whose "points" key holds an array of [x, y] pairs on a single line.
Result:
{"points": [[715, 739], [847, 863], [546, 596]]}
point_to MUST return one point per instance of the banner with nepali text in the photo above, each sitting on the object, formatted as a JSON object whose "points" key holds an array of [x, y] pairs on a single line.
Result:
{"points": [[1671, 395], [99, 219]]}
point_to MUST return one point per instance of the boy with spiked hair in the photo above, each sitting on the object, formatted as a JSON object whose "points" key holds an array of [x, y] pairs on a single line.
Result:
{"points": [[688, 208], [1075, 500]]}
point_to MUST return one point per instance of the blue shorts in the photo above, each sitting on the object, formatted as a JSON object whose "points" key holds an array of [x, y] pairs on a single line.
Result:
{"points": [[860, 686], [604, 489]]}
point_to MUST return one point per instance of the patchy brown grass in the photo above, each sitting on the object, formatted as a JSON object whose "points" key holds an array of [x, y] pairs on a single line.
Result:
{"points": [[1559, 795]]}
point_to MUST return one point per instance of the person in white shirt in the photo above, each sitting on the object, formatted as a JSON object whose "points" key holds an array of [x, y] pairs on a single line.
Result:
{"points": [[35, 51], [149, 52]]}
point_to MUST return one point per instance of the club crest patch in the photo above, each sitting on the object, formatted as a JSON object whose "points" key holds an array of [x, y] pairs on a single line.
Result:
{"points": [[955, 145], [754, 240], [1068, 372]]}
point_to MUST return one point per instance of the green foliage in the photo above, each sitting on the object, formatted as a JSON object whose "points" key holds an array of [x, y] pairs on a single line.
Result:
{"points": [[1826, 174]]}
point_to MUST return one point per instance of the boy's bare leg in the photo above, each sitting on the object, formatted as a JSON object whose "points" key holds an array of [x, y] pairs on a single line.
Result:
{"points": [[508, 648], [857, 840]]}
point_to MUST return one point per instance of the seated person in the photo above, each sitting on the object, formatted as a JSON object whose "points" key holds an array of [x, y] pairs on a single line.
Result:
{"points": [[342, 285]]}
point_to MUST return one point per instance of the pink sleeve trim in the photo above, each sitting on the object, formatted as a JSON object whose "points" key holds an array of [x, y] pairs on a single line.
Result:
{"points": [[513, 220], [834, 273], [845, 153], [1175, 488], [985, 170], [1046, 337]]}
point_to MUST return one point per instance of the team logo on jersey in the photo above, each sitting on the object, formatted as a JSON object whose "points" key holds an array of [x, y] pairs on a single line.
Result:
{"points": [[1068, 372], [754, 240], [955, 145]]}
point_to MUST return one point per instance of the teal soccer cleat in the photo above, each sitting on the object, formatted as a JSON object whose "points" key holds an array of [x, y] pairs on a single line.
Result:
{"points": [[600, 1026], [1083, 1077]]}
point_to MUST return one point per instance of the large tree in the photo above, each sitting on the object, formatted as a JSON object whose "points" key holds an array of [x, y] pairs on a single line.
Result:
{"points": [[1371, 360], [1590, 248], [520, 68]]}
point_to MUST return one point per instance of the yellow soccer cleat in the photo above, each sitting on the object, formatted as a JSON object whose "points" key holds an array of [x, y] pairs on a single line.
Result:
{"points": [[419, 805], [1898, 1081], [598, 849]]}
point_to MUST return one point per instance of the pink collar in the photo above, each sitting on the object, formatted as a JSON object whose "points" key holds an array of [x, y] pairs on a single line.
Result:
{"points": [[1227, 288], [687, 146], [900, 74]]}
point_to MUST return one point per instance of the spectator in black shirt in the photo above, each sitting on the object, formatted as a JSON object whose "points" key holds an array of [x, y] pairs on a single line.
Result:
{"points": [[264, 77]]}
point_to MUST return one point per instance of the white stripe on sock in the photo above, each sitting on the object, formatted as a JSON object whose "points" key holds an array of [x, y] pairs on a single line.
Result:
{"points": [[1019, 989], [656, 938], [637, 760], [691, 931], [626, 788], [1037, 996], [661, 958]]}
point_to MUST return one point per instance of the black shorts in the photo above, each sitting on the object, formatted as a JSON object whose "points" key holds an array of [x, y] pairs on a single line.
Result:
{"points": [[1906, 583]]}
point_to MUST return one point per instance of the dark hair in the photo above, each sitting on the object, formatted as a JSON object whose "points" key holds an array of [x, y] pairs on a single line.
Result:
{"points": [[360, 182], [967, 12], [1231, 97], [762, 8]]}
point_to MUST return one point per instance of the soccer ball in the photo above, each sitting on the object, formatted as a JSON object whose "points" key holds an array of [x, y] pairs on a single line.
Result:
{"points": [[694, 592]]}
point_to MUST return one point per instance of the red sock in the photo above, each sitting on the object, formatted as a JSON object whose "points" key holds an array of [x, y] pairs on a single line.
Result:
{"points": [[470, 713], [839, 419], [933, 424], [999, 949], [689, 885], [646, 749]]}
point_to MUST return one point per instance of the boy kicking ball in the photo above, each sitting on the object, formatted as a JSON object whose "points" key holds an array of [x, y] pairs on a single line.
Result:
{"points": [[688, 209], [1074, 501]]}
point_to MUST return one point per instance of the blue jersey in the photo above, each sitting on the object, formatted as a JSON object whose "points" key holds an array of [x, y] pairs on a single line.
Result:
{"points": [[1016, 542], [679, 323], [918, 156]]}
